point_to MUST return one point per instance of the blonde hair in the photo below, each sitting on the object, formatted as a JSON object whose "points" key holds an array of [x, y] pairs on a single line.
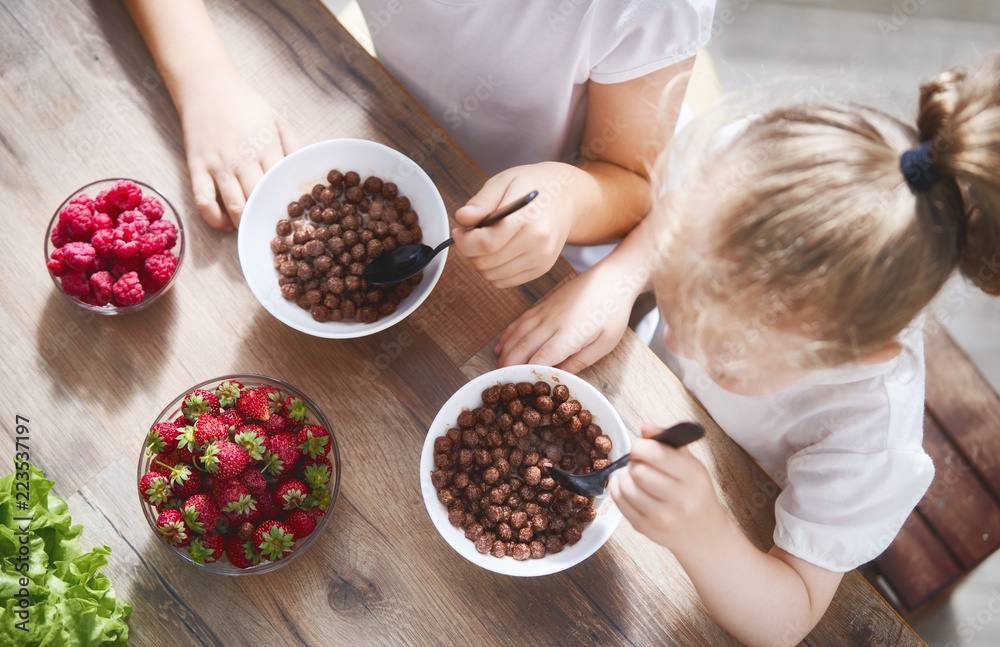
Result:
{"points": [[803, 223]]}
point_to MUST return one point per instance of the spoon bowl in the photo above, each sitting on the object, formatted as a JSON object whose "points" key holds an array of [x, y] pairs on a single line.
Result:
{"points": [[409, 260], [593, 484]]}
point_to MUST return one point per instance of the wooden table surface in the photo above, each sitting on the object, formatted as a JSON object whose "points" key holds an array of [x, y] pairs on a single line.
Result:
{"points": [[80, 99]]}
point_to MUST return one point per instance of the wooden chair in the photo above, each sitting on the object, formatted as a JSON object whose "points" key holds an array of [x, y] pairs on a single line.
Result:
{"points": [[957, 523]]}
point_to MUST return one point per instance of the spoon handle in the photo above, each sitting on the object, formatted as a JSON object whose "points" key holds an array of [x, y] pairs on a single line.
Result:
{"points": [[677, 436], [505, 210], [496, 216]]}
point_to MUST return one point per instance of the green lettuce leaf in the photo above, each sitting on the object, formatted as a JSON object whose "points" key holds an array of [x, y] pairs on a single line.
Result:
{"points": [[66, 602]]}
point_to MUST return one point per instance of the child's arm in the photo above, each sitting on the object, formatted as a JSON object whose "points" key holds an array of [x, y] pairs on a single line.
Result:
{"points": [[583, 320], [599, 198], [231, 134], [771, 598]]}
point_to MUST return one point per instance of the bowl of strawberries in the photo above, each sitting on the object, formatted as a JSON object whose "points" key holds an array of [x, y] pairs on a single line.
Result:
{"points": [[238, 474], [114, 246]]}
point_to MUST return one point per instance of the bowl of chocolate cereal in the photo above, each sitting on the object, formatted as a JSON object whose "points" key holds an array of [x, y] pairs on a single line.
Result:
{"points": [[484, 478], [319, 216]]}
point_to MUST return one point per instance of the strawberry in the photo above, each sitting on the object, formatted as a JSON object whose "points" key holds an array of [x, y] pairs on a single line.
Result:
{"points": [[181, 421], [186, 438], [232, 496], [241, 553], [314, 441], [276, 424], [228, 392], [184, 480], [223, 459], [267, 507], [170, 524], [207, 429], [154, 488], [184, 455], [318, 502], [317, 471], [253, 480], [295, 408], [198, 402], [301, 522], [207, 548], [232, 419], [162, 437], [234, 520], [291, 494], [252, 439], [275, 400], [163, 463], [201, 513], [282, 455], [273, 539], [173, 503], [245, 531], [253, 403]]}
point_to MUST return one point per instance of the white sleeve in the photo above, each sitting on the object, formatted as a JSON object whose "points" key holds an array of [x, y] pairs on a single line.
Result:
{"points": [[631, 38], [841, 509]]}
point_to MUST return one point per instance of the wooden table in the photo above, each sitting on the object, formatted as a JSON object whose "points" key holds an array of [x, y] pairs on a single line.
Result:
{"points": [[81, 100]]}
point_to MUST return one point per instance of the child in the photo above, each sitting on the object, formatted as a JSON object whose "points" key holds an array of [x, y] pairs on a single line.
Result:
{"points": [[792, 263], [562, 98]]}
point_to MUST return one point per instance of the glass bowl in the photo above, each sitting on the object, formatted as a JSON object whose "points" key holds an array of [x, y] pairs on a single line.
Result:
{"points": [[313, 416], [169, 214]]}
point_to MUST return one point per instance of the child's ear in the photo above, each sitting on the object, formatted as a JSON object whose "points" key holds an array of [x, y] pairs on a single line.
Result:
{"points": [[884, 354]]}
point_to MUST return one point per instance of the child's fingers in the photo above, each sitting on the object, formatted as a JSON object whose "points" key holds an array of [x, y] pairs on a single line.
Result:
{"points": [[676, 462], [517, 351], [249, 175], [637, 506], [589, 354], [658, 485], [203, 187], [289, 140], [488, 199], [232, 195]]}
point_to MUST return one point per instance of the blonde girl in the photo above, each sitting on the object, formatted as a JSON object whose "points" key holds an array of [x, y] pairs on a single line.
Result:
{"points": [[792, 263]]}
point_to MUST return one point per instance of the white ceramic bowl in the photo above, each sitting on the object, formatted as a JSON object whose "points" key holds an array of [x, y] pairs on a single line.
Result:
{"points": [[469, 397], [294, 176]]}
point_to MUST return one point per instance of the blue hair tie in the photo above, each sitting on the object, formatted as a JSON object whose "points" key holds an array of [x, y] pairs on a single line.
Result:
{"points": [[918, 169]]}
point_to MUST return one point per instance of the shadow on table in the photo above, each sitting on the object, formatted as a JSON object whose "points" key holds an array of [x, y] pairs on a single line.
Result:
{"points": [[103, 358]]}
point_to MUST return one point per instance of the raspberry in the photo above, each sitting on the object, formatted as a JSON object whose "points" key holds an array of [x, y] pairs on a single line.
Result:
{"points": [[122, 266], [103, 221], [152, 243], [78, 256], [126, 244], [127, 290], [56, 264], [71, 211], [75, 283], [160, 268], [101, 287], [60, 236], [151, 208], [104, 242], [103, 204], [85, 200], [125, 195], [137, 218], [166, 228]]}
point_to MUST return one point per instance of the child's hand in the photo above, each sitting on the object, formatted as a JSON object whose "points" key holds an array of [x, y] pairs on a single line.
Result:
{"points": [[572, 327], [526, 244], [232, 136], [667, 494]]}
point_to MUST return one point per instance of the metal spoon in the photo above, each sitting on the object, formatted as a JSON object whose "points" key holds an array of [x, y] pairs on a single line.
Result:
{"points": [[408, 260], [593, 484]]}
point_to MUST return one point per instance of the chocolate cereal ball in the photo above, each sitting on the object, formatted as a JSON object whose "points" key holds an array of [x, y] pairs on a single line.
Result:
{"points": [[373, 184], [351, 178]]}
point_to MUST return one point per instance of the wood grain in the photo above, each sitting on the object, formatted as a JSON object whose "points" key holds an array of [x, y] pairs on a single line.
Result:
{"points": [[80, 99]]}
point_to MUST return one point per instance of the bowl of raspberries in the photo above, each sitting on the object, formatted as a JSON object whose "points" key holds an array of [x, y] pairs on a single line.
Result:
{"points": [[238, 474], [114, 246], [484, 470], [318, 218]]}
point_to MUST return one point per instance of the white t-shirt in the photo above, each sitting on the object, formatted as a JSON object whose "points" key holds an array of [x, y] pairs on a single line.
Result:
{"points": [[845, 445], [508, 80]]}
